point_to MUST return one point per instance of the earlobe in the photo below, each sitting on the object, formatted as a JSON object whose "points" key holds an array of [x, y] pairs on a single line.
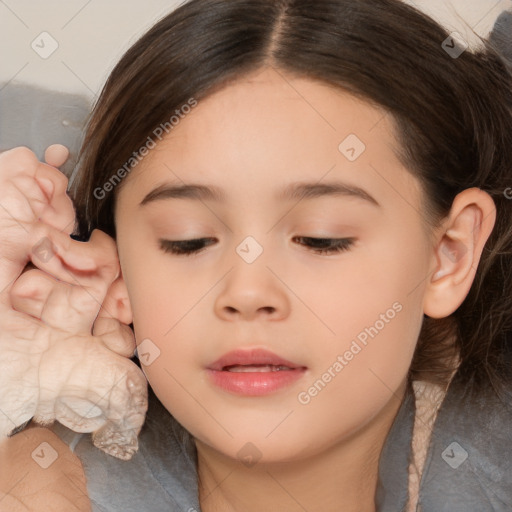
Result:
{"points": [[117, 303], [458, 251]]}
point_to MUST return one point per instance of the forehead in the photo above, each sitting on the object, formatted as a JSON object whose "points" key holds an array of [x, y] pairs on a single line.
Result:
{"points": [[270, 107], [272, 128]]}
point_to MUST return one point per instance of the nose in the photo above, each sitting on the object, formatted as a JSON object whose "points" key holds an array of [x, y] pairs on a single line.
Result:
{"points": [[251, 291]]}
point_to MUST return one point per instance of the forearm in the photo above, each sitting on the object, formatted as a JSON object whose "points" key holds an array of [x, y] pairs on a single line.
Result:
{"points": [[39, 472]]}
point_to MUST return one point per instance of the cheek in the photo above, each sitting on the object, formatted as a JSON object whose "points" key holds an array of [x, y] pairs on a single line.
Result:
{"points": [[166, 305], [371, 309], [160, 293], [377, 290], [371, 315]]}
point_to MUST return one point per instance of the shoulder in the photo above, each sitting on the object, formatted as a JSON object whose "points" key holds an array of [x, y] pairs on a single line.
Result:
{"points": [[469, 462], [161, 472], [38, 470]]}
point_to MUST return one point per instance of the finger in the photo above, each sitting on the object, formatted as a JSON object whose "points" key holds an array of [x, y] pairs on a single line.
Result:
{"points": [[58, 210], [57, 304], [71, 308], [44, 188], [104, 249], [56, 155], [20, 159], [91, 261], [30, 291], [48, 249], [58, 254], [55, 254], [116, 336], [100, 249]]}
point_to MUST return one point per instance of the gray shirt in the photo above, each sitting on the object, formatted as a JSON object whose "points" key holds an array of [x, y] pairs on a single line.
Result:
{"points": [[468, 466]]}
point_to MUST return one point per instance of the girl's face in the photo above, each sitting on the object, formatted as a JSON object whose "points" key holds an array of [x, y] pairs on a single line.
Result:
{"points": [[346, 321]]}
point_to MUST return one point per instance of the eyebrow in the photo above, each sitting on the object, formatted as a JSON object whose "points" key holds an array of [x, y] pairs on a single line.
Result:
{"points": [[295, 191]]}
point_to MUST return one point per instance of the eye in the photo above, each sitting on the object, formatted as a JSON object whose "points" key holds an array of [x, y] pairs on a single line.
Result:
{"points": [[185, 247], [326, 245], [317, 245]]}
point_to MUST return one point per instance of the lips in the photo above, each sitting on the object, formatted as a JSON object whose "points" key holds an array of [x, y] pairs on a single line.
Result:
{"points": [[252, 360], [255, 372]]}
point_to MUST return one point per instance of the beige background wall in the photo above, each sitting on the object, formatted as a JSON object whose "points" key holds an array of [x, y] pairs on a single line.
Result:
{"points": [[92, 34]]}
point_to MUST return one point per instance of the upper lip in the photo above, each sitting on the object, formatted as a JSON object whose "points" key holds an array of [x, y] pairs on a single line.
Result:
{"points": [[251, 357]]}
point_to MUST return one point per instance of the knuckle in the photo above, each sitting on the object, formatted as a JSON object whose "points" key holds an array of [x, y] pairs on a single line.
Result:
{"points": [[60, 178], [22, 157], [28, 283]]}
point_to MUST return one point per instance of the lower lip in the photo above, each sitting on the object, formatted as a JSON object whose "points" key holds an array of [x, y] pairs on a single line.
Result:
{"points": [[255, 383]]}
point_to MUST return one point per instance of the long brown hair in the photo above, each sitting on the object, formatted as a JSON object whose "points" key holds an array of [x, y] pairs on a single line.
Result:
{"points": [[453, 116]]}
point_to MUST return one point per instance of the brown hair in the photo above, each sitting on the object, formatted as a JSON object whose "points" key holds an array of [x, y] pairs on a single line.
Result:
{"points": [[453, 119]]}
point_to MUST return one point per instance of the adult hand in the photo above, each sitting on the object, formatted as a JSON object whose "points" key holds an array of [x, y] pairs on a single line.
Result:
{"points": [[64, 345]]}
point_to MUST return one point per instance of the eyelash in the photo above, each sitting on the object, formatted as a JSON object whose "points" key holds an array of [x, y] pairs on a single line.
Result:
{"points": [[190, 247]]}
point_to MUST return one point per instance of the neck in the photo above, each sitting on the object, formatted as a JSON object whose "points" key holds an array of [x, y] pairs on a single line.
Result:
{"points": [[341, 478]]}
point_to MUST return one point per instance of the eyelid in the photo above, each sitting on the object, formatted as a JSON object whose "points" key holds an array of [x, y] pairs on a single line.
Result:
{"points": [[186, 247], [171, 245]]}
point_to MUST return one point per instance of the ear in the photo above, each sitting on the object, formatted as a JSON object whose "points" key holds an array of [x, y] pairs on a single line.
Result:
{"points": [[458, 251], [116, 303]]}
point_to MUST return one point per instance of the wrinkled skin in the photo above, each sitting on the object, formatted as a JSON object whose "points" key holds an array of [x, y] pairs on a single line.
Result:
{"points": [[63, 346], [29, 487]]}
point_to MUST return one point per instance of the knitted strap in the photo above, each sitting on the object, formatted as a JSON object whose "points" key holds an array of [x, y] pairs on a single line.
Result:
{"points": [[428, 400]]}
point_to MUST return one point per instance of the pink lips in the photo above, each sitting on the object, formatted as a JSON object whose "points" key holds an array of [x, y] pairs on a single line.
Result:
{"points": [[269, 373]]}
